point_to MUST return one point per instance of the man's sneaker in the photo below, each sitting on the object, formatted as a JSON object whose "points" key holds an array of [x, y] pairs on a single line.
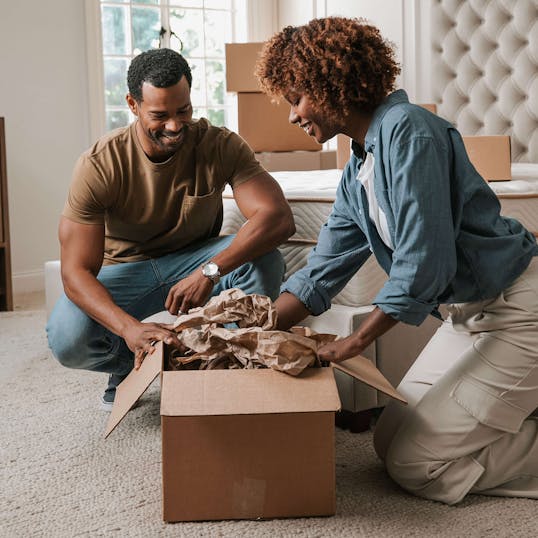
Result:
{"points": [[107, 400]]}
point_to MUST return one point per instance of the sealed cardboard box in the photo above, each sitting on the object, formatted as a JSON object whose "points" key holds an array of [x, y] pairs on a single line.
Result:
{"points": [[265, 126], [297, 160], [432, 107], [244, 444], [327, 160], [490, 156], [240, 64], [343, 150]]}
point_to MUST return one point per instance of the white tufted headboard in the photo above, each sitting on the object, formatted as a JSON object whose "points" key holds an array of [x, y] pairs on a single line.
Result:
{"points": [[485, 69]]}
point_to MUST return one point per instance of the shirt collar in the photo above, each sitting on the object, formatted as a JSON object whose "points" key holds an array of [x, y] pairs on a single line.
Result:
{"points": [[399, 96]]}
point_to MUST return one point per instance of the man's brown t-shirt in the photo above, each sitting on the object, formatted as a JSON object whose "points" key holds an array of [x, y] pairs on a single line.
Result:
{"points": [[151, 209]]}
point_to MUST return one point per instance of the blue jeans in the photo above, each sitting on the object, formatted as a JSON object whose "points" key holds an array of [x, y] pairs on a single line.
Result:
{"points": [[141, 288]]}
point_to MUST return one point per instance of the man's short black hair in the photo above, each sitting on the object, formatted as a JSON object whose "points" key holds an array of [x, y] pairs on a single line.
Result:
{"points": [[160, 67]]}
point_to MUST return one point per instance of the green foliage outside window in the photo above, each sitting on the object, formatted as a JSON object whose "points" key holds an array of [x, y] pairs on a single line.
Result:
{"points": [[146, 25], [116, 119], [115, 85]]}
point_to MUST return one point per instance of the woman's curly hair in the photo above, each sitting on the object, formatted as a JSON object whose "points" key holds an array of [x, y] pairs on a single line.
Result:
{"points": [[338, 62]]}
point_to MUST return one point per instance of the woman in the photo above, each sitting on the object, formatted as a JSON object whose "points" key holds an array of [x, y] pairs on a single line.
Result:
{"points": [[410, 195]]}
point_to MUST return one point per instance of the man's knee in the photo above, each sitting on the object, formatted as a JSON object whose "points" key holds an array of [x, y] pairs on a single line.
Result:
{"points": [[273, 268], [263, 275], [69, 332], [64, 353], [273, 265], [66, 348]]}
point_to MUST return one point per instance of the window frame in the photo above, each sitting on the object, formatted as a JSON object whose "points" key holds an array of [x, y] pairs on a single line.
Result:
{"points": [[244, 14]]}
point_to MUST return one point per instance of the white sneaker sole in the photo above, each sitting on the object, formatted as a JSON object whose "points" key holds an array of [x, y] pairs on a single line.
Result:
{"points": [[106, 406]]}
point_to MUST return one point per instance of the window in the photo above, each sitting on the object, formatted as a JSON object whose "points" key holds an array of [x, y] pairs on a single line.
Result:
{"points": [[196, 28]]}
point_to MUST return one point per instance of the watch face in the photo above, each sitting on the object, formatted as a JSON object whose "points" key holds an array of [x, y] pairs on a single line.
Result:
{"points": [[210, 269]]}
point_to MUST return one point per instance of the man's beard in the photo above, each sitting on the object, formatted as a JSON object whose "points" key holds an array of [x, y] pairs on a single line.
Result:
{"points": [[167, 139]]}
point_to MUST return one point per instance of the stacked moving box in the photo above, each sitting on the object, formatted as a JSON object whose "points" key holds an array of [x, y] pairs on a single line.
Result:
{"points": [[264, 124]]}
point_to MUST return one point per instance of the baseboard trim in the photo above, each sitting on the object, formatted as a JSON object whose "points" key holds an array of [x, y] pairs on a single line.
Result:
{"points": [[28, 281]]}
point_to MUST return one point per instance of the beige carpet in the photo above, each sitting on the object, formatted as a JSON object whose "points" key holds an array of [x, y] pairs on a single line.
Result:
{"points": [[59, 478]]}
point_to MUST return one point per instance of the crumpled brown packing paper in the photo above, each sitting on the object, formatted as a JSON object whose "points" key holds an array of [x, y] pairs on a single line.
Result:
{"points": [[230, 306], [255, 344]]}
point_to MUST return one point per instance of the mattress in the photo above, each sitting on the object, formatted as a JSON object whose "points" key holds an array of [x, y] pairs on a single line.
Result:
{"points": [[311, 195], [519, 197]]}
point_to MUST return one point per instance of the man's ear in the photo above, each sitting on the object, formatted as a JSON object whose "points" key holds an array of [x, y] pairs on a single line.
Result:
{"points": [[133, 103]]}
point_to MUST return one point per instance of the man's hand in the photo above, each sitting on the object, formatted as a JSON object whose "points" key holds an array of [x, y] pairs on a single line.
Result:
{"points": [[141, 337], [189, 293]]}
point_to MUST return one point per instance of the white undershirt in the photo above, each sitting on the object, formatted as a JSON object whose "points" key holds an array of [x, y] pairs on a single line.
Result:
{"points": [[366, 177]]}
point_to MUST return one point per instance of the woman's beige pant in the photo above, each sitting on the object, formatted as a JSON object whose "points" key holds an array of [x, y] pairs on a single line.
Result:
{"points": [[467, 428]]}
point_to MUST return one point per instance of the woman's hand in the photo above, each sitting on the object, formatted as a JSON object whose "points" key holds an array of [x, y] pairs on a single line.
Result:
{"points": [[375, 324], [340, 350]]}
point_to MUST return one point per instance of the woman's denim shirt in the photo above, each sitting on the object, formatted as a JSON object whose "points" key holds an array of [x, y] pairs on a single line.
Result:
{"points": [[450, 243]]}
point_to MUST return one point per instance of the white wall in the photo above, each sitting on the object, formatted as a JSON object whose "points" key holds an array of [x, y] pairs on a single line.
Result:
{"points": [[43, 96]]}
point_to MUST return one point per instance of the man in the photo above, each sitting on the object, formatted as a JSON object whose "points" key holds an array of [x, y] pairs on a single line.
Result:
{"points": [[139, 230], [410, 195]]}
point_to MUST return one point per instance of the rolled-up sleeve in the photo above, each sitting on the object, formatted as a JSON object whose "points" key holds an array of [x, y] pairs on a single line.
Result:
{"points": [[341, 250], [424, 260]]}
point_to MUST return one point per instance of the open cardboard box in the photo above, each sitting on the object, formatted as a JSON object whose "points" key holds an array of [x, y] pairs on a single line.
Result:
{"points": [[245, 444]]}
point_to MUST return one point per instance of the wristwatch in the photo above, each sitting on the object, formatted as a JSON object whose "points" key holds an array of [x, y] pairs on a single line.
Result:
{"points": [[212, 271]]}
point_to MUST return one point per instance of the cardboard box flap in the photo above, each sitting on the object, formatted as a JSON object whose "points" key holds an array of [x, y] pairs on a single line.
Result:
{"points": [[364, 370], [133, 386], [247, 392]]}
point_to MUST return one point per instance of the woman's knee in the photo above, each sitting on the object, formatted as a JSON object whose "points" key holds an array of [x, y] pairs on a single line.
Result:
{"points": [[411, 470], [386, 427], [416, 469], [395, 414]]}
